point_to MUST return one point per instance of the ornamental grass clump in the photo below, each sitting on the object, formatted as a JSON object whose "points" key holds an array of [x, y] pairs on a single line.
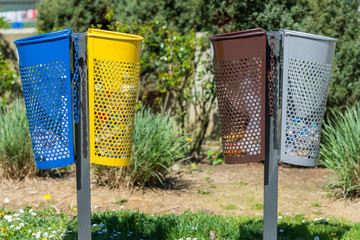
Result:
{"points": [[16, 159], [341, 150], [158, 143]]}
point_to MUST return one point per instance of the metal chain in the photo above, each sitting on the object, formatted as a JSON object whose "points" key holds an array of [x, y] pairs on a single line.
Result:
{"points": [[76, 81], [271, 75]]}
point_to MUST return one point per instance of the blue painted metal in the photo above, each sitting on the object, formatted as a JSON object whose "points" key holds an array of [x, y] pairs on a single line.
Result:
{"points": [[44, 63]]}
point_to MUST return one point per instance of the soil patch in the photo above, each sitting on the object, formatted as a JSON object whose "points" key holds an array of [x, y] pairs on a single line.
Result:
{"points": [[222, 189]]}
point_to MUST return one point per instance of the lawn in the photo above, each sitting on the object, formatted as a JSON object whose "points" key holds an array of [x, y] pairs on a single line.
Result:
{"points": [[45, 223]]}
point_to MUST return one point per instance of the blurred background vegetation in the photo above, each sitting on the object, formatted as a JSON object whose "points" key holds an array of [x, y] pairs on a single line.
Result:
{"points": [[176, 70]]}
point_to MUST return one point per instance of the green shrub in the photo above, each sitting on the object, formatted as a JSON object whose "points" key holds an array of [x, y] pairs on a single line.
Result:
{"points": [[16, 159], [341, 150], [75, 14], [9, 87], [157, 145]]}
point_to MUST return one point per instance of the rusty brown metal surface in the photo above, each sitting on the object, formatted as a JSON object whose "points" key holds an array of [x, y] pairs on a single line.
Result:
{"points": [[240, 76]]}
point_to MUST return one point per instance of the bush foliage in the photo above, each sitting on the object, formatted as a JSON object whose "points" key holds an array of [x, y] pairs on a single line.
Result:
{"points": [[341, 150], [9, 87], [337, 19], [157, 145]]}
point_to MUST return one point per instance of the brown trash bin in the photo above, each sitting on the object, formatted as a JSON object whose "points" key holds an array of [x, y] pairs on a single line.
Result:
{"points": [[239, 61]]}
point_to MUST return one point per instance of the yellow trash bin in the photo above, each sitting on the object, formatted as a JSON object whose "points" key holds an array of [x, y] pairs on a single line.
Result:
{"points": [[114, 66]]}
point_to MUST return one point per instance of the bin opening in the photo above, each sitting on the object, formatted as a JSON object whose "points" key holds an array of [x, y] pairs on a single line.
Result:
{"points": [[44, 37]]}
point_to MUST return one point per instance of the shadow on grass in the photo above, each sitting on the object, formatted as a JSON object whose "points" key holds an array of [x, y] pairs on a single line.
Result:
{"points": [[126, 226], [135, 225], [310, 231], [299, 231]]}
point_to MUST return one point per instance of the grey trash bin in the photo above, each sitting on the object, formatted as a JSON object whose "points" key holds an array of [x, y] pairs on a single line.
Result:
{"points": [[307, 63]]}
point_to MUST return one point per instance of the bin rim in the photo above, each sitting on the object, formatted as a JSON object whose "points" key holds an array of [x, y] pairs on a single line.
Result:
{"points": [[65, 33], [239, 34], [113, 35], [307, 35]]}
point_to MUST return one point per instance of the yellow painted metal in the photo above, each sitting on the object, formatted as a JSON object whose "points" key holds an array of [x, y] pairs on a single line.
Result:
{"points": [[114, 66]]}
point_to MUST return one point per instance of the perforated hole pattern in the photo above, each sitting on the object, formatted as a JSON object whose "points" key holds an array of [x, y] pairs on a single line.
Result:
{"points": [[308, 84], [238, 89], [115, 88], [48, 108]]}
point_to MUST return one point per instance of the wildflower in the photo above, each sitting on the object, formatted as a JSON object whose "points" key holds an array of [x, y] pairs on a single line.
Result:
{"points": [[333, 234], [33, 213], [21, 211], [136, 219], [44, 239], [189, 139], [30, 211], [4, 230], [21, 224], [2, 214], [281, 230], [316, 238], [74, 209], [12, 226], [18, 228], [47, 197], [102, 225], [280, 217], [16, 214], [105, 230], [6, 200]]}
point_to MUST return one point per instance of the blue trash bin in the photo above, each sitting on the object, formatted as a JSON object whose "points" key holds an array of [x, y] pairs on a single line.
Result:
{"points": [[44, 63]]}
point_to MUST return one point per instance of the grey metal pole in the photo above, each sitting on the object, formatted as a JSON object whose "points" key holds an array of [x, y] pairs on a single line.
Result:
{"points": [[272, 149], [82, 147]]}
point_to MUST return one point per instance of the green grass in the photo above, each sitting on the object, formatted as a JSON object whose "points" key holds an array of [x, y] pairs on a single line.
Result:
{"points": [[242, 183], [16, 158], [230, 207], [208, 179], [317, 212], [203, 192], [316, 204], [120, 201], [136, 225], [257, 206], [341, 152]]}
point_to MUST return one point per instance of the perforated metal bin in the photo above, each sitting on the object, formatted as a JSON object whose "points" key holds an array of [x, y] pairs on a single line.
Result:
{"points": [[239, 61], [307, 63], [114, 67], [44, 63]]}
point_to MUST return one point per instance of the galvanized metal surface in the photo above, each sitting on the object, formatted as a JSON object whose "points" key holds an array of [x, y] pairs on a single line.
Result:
{"points": [[306, 77], [82, 147], [272, 146]]}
